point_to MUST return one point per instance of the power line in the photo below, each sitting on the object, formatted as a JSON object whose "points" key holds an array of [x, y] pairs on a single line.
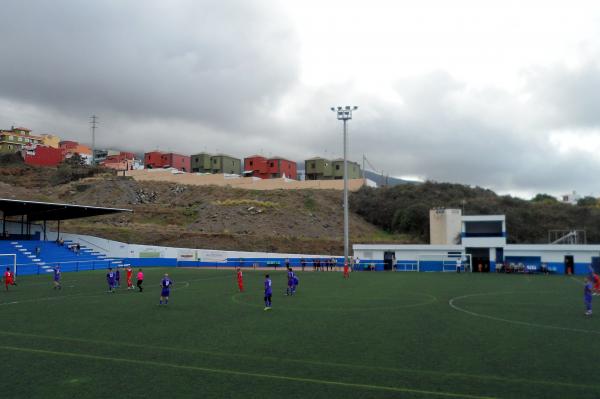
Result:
{"points": [[93, 123]]}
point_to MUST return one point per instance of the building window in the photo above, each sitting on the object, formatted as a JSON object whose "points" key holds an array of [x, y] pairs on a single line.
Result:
{"points": [[251, 164], [313, 165], [337, 167], [271, 164]]}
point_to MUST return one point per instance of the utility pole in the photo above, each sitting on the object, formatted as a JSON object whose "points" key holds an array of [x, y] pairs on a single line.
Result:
{"points": [[345, 114], [363, 169], [93, 124]]}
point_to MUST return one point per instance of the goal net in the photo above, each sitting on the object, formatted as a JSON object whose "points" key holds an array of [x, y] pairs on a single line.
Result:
{"points": [[9, 260], [406, 266], [442, 262]]}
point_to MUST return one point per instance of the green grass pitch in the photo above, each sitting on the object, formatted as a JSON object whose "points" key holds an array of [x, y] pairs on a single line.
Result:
{"points": [[376, 335]]}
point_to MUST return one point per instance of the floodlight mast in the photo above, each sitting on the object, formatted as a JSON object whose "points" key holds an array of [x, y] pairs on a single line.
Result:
{"points": [[345, 114]]}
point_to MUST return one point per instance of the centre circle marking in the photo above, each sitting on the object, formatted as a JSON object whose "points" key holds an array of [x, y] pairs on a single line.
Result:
{"points": [[454, 306], [428, 300]]}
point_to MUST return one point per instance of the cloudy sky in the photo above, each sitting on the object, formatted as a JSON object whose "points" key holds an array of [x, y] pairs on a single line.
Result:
{"points": [[503, 94]]}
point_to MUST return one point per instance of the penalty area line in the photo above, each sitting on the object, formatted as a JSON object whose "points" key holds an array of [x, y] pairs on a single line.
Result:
{"points": [[244, 373]]}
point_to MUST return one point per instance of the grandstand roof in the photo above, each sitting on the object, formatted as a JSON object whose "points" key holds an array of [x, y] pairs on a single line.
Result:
{"points": [[35, 210]]}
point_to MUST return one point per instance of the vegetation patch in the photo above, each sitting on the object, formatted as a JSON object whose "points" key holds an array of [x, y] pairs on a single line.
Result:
{"points": [[246, 202]]}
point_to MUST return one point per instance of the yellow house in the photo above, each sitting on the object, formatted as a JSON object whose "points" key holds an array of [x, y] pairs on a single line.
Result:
{"points": [[51, 140]]}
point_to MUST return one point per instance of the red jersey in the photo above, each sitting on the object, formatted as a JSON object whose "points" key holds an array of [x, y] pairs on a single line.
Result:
{"points": [[239, 274], [8, 277], [129, 274]]}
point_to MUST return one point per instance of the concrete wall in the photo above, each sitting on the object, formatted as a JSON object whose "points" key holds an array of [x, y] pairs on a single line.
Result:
{"points": [[444, 226], [116, 249]]}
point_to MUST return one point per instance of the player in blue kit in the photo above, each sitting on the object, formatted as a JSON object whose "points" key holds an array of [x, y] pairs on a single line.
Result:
{"points": [[117, 278], [268, 292], [290, 284], [56, 278], [165, 284], [110, 279], [587, 296]]}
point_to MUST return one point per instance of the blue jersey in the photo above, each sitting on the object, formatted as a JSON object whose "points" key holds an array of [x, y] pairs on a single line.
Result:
{"points": [[118, 275], [110, 277], [587, 291], [290, 276], [268, 289], [56, 274], [166, 283]]}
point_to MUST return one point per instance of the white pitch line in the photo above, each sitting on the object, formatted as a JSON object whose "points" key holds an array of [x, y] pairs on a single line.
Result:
{"points": [[522, 323]]}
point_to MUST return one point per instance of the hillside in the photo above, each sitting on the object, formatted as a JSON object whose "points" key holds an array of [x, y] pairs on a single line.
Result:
{"points": [[279, 220], [196, 216], [404, 209]]}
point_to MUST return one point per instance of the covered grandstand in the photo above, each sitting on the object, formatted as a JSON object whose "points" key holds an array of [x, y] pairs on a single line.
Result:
{"points": [[24, 235]]}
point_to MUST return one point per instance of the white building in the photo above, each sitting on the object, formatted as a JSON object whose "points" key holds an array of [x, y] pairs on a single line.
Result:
{"points": [[483, 248], [571, 198]]}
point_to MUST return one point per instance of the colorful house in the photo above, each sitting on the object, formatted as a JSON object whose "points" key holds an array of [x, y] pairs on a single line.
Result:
{"points": [[50, 140], [337, 169], [158, 159], [201, 162], [73, 147], [222, 163], [41, 155], [16, 139], [324, 169], [272, 168]]}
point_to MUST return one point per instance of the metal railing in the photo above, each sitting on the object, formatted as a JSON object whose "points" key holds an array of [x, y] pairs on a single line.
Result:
{"points": [[66, 266]]}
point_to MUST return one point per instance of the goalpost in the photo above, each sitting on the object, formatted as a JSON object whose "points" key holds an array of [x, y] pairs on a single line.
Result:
{"points": [[9, 260], [406, 267]]}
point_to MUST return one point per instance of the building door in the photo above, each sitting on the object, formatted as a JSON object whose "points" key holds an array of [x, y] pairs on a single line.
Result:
{"points": [[480, 258], [569, 264], [499, 256], [388, 260]]}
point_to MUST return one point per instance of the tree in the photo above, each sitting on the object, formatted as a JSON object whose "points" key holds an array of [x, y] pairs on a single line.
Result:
{"points": [[544, 199], [587, 201], [413, 219], [75, 160]]}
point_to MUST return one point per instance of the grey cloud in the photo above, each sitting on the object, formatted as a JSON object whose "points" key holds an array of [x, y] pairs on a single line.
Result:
{"points": [[207, 75], [203, 61], [570, 95]]}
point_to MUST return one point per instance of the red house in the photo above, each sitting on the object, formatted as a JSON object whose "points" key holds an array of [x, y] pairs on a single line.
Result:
{"points": [[271, 168], [122, 156], [43, 156], [158, 159]]}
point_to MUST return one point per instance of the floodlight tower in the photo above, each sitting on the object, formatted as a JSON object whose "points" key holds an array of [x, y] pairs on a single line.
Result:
{"points": [[345, 114]]}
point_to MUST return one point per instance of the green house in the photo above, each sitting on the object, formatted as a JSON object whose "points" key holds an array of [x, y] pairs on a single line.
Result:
{"points": [[222, 163], [354, 171], [201, 163], [318, 168]]}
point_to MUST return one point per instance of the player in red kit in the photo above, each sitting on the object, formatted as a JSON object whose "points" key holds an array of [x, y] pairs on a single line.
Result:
{"points": [[240, 280], [129, 278], [9, 278], [346, 271]]}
